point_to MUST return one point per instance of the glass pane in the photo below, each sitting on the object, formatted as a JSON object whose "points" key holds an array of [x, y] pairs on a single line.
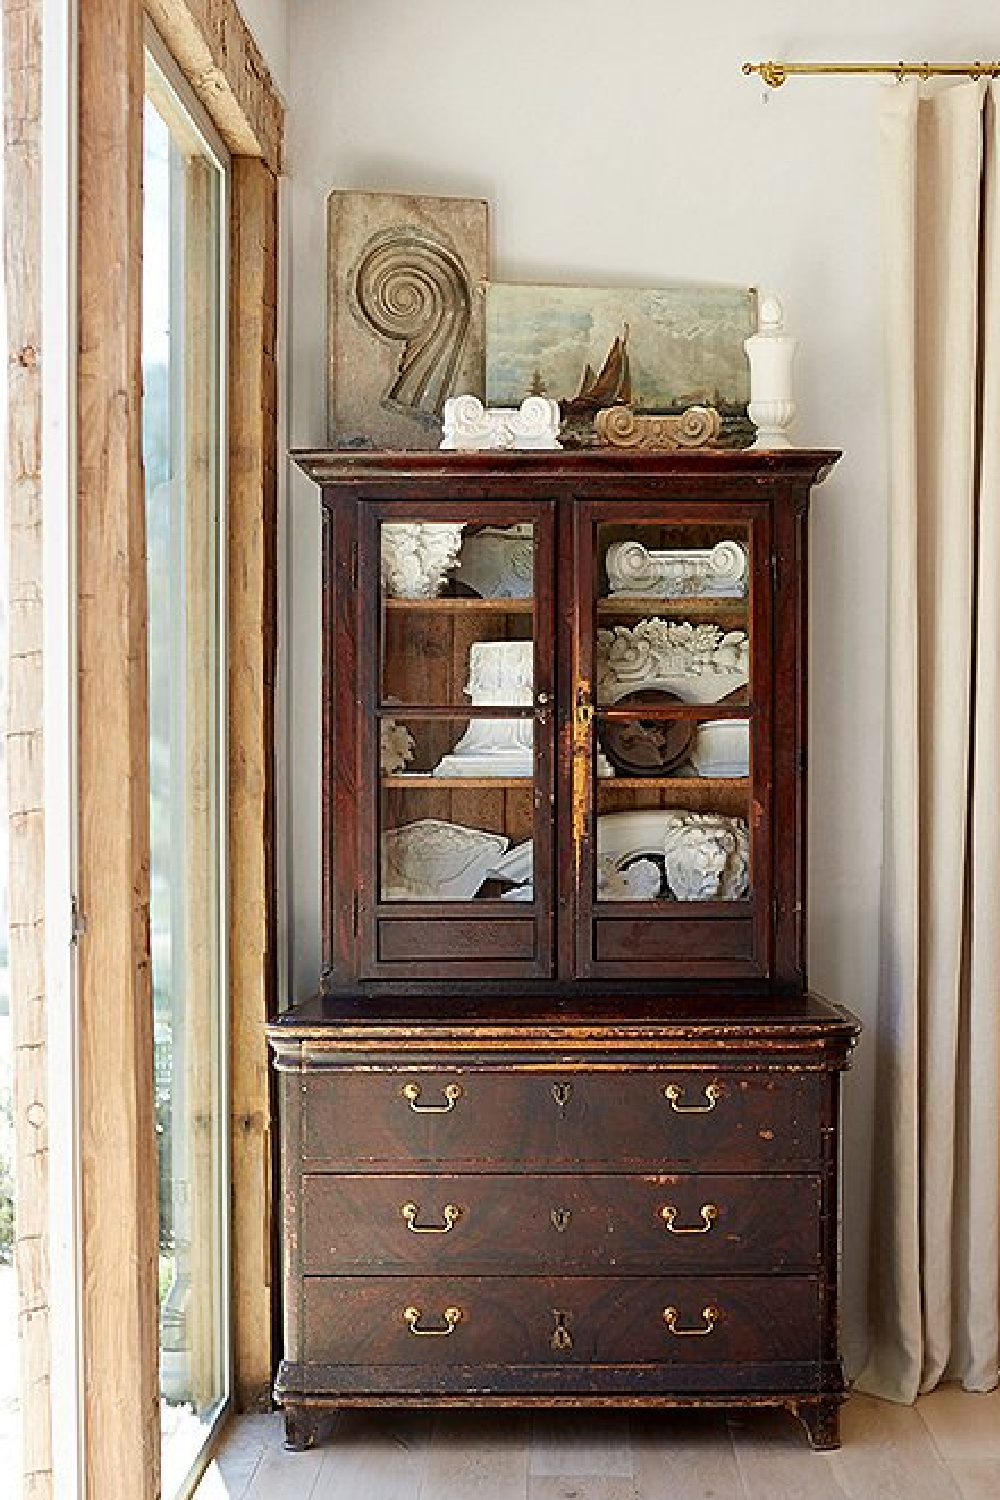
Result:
{"points": [[672, 727], [182, 434], [457, 613], [455, 808]]}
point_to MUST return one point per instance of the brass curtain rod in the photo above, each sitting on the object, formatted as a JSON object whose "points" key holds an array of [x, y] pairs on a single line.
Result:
{"points": [[774, 74]]}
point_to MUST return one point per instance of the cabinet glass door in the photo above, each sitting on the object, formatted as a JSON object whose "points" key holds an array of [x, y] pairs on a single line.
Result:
{"points": [[671, 745], [462, 731]]}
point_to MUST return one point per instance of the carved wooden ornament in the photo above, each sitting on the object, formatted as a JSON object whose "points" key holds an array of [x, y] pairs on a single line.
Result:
{"points": [[620, 427]]}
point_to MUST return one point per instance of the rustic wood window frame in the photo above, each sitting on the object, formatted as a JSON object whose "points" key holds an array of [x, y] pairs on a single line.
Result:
{"points": [[118, 1212]]}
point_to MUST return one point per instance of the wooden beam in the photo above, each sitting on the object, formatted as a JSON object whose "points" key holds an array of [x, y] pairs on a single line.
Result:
{"points": [[22, 266], [252, 614], [116, 1014], [216, 52]]}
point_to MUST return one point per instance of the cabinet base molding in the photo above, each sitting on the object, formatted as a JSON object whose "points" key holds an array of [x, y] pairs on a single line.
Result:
{"points": [[309, 1423]]}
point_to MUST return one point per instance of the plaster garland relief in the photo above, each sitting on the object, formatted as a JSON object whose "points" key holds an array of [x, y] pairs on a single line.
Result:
{"points": [[699, 663]]}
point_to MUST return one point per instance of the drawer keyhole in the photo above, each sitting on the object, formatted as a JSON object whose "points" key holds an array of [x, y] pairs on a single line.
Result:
{"points": [[560, 1218], [561, 1337], [562, 1093]]}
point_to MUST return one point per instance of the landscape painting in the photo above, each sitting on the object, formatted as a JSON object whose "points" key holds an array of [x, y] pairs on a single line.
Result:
{"points": [[658, 351]]}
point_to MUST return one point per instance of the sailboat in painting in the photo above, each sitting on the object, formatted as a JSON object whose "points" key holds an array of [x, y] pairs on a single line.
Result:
{"points": [[611, 386]]}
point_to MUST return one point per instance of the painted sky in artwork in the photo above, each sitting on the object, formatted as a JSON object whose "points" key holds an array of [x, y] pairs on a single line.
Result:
{"points": [[685, 344]]}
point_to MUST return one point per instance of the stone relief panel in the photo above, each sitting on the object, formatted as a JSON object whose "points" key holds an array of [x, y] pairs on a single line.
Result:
{"points": [[406, 312]]}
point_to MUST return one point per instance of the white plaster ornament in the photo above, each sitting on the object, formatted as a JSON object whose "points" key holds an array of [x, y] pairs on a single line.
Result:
{"points": [[649, 854], [432, 860], [771, 353], [698, 663], [719, 572], [498, 562], [417, 555], [469, 425], [501, 675], [396, 746], [722, 748]]}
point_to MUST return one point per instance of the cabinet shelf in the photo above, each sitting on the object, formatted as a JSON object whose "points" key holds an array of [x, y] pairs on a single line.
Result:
{"points": [[450, 605], [683, 607], [458, 783], [683, 786], [727, 709]]}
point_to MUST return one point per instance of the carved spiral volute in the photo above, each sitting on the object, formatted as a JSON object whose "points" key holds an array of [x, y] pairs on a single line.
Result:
{"points": [[411, 288]]}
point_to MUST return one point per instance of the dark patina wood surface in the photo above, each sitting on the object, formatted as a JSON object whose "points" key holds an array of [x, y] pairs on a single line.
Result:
{"points": [[565, 1152]]}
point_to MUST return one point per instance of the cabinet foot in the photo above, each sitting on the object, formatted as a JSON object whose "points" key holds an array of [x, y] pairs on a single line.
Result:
{"points": [[305, 1426], [821, 1420]]}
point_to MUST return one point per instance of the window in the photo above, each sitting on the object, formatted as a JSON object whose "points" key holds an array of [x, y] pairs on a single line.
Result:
{"points": [[184, 217]]}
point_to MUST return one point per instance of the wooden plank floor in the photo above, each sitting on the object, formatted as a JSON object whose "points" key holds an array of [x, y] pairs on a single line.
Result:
{"points": [[947, 1447]]}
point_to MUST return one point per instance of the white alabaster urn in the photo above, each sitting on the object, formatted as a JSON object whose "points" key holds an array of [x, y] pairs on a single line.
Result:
{"points": [[771, 353]]}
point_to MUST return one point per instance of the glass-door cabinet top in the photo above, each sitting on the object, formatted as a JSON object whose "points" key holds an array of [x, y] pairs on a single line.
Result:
{"points": [[564, 718]]}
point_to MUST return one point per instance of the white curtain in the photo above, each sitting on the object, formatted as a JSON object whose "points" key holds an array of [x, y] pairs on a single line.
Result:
{"points": [[936, 1277]]}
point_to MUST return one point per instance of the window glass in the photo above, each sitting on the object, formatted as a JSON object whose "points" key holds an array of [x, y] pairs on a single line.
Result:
{"points": [[183, 225]]}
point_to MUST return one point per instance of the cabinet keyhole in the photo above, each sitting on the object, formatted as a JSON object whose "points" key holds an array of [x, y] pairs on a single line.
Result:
{"points": [[561, 1336]]}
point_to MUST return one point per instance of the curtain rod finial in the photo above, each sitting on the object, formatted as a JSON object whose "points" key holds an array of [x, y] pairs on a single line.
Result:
{"points": [[773, 73]]}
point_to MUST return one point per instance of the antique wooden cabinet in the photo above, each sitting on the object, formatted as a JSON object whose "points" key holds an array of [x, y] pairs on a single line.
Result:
{"points": [[561, 1124]]}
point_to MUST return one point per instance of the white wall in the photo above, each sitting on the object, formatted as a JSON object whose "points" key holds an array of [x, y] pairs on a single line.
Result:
{"points": [[621, 143]]}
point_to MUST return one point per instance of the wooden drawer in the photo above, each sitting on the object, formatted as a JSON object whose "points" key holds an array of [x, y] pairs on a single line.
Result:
{"points": [[509, 1223], [655, 1119], [509, 1321]]}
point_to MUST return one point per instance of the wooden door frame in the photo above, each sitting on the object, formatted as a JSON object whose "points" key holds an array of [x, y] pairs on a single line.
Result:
{"points": [[114, 994]]}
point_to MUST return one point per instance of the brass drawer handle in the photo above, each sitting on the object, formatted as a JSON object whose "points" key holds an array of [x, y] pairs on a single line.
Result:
{"points": [[452, 1317], [411, 1092], [710, 1314], [673, 1091], [709, 1214], [451, 1214]]}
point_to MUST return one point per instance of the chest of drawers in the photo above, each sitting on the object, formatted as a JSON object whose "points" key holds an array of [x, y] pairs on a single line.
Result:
{"points": [[613, 1211]]}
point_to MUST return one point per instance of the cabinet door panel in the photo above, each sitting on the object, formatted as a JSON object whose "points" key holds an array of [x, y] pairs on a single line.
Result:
{"points": [[456, 744], [716, 943], [671, 774], [450, 942]]}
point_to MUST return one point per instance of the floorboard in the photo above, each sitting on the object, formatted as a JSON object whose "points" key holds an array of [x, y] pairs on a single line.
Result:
{"points": [[580, 1442], [685, 1455], [478, 1456], [947, 1447]]}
